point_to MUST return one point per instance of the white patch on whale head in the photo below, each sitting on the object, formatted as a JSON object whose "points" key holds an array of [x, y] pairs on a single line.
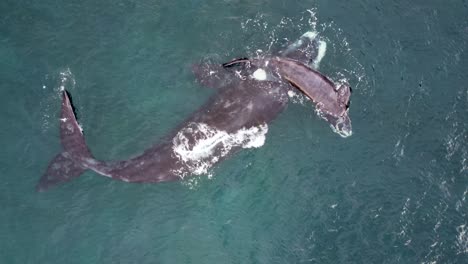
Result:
{"points": [[199, 146], [260, 75], [239, 75]]}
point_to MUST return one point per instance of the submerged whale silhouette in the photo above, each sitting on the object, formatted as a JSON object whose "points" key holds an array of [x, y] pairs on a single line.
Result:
{"points": [[235, 117]]}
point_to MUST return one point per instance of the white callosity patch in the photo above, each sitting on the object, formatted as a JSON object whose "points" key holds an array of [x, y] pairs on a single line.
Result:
{"points": [[260, 75], [239, 75], [200, 146]]}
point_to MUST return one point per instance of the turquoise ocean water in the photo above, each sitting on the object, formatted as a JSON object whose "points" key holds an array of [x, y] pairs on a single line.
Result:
{"points": [[394, 192]]}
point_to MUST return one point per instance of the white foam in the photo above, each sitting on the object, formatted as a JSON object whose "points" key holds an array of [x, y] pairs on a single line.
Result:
{"points": [[310, 35], [211, 144], [462, 239], [66, 79], [343, 134], [296, 98], [322, 50]]}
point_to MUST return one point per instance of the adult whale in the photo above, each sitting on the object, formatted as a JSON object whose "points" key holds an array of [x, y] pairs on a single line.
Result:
{"points": [[235, 117]]}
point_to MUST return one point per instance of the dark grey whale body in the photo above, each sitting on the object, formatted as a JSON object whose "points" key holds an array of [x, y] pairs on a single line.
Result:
{"points": [[235, 117], [232, 119]]}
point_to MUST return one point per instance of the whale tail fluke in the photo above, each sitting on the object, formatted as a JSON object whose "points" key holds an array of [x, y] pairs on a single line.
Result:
{"points": [[71, 162], [60, 170]]}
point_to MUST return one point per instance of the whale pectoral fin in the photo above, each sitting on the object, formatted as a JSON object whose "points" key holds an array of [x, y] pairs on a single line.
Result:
{"points": [[211, 75], [308, 49]]}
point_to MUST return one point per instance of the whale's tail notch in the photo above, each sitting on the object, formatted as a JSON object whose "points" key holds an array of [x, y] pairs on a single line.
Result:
{"points": [[71, 162]]}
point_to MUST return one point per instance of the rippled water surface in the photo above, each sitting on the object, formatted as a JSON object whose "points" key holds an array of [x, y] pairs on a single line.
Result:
{"points": [[396, 191]]}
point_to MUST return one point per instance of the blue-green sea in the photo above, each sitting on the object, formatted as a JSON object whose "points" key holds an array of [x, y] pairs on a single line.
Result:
{"points": [[396, 191]]}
